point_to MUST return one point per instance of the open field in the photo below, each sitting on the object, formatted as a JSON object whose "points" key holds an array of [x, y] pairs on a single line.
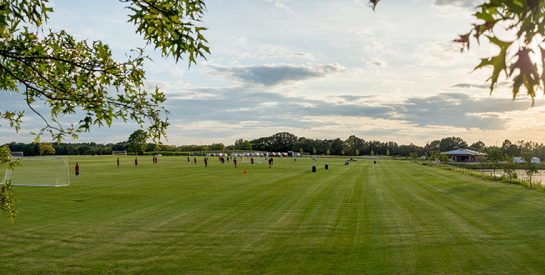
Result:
{"points": [[392, 217]]}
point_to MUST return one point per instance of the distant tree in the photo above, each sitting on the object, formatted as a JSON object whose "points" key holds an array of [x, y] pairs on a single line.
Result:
{"points": [[494, 156], [434, 146], [217, 146], [357, 152], [527, 155], [46, 149], [372, 153], [387, 151], [510, 148], [328, 152], [443, 158], [478, 146], [452, 143], [283, 141], [530, 168], [352, 143], [413, 156], [152, 147], [337, 146], [301, 150], [509, 168], [435, 156], [138, 141], [242, 144], [313, 151]]}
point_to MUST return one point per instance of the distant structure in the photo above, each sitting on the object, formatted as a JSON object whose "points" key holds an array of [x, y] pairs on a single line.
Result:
{"points": [[464, 155], [521, 160], [518, 160]]}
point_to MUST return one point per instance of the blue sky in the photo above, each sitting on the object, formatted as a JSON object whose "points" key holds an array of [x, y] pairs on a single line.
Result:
{"points": [[319, 69]]}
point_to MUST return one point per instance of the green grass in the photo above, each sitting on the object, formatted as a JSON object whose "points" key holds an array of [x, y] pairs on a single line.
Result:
{"points": [[175, 217]]}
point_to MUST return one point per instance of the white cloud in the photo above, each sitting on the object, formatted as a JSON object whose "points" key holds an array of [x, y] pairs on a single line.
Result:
{"points": [[280, 5], [458, 3], [439, 54], [278, 54], [242, 40]]}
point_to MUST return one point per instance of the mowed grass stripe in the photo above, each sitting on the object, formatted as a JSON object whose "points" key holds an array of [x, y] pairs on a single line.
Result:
{"points": [[474, 238], [392, 217]]}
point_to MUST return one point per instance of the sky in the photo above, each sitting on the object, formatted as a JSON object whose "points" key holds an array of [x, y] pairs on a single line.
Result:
{"points": [[318, 69]]}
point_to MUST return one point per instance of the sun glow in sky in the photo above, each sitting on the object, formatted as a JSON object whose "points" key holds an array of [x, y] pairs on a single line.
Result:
{"points": [[319, 69]]}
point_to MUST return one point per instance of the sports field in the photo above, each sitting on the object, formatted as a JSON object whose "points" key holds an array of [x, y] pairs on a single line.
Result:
{"points": [[178, 217]]}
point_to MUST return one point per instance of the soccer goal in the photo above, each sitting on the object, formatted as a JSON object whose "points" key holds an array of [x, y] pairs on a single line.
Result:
{"points": [[16, 155], [119, 153], [40, 171]]}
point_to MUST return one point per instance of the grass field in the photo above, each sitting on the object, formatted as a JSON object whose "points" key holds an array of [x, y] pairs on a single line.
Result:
{"points": [[177, 217]]}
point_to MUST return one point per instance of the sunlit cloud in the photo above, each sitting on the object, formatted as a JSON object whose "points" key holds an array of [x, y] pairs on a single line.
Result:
{"points": [[458, 3]]}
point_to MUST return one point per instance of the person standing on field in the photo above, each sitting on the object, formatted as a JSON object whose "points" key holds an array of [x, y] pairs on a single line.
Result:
{"points": [[136, 162], [235, 161], [77, 170], [117, 161], [205, 161], [195, 160], [188, 161]]}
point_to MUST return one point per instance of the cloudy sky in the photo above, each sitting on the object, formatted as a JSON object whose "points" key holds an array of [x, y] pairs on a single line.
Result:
{"points": [[319, 69]]}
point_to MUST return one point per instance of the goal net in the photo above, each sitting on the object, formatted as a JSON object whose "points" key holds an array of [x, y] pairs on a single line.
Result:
{"points": [[16, 155], [119, 153], [40, 171]]}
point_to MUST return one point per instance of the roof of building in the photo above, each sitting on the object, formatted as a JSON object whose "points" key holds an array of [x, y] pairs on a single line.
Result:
{"points": [[463, 152]]}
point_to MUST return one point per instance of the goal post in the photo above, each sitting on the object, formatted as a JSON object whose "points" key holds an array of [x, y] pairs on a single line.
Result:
{"points": [[16, 155], [119, 153], [40, 171]]}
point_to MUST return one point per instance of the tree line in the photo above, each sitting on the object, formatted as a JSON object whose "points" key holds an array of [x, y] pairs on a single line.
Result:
{"points": [[283, 142]]}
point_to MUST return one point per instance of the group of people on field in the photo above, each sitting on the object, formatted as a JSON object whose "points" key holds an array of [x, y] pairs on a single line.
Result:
{"points": [[155, 160]]}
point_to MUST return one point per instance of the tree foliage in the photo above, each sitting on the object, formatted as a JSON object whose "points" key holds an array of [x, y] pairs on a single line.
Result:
{"points": [[138, 141], [242, 144], [46, 149], [7, 197], [509, 168], [452, 143], [494, 156], [70, 76], [515, 59], [478, 146], [520, 59]]}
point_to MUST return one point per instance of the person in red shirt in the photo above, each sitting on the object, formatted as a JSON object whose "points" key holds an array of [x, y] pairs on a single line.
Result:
{"points": [[77, 169]]}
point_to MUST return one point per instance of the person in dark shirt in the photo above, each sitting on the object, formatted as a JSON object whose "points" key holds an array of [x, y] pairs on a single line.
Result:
{"points": [[77, 169]]}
